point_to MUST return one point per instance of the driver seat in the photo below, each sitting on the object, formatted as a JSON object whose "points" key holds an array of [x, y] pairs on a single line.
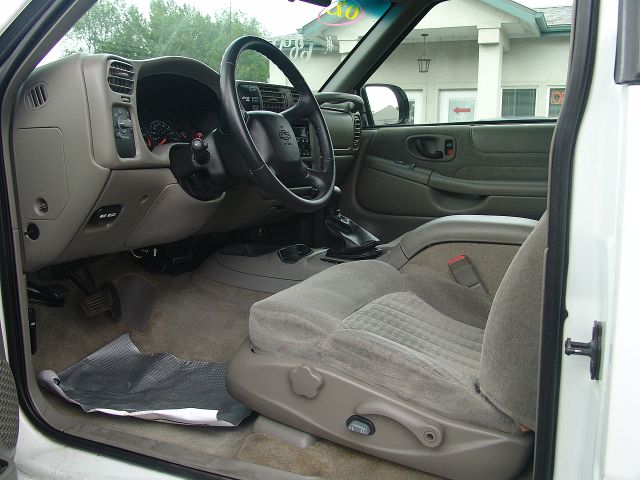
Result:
{"points": [[413, 368]]}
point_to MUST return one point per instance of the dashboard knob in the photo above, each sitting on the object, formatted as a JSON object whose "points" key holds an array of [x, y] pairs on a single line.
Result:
{"points": [[198, 144], [124, 124]]}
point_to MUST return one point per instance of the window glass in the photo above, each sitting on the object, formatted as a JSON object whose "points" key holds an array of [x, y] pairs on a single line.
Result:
{"points": [[483, 60], [518, 102], [556, 100], [316, 39]]}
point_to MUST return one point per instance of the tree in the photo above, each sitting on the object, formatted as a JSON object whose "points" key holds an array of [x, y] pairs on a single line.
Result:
{"points": [[170, 29]]}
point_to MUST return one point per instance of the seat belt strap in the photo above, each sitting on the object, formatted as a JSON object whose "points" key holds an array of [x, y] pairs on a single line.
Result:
{"points": [[464, 273]]}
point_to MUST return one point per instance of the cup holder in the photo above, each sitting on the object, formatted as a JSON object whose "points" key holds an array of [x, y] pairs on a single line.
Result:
{"points": [[293, 253]]}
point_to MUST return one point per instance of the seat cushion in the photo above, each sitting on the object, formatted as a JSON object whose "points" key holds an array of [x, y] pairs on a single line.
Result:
{"points": [[372, 322], [297, 320]]}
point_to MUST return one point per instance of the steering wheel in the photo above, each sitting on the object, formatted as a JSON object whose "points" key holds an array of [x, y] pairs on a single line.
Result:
{"points": [[266, 139]]}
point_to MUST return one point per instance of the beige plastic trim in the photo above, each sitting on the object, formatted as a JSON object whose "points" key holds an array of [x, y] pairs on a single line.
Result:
{"points": [[102, 99], [38, 149], [461, 451], [264, 273], [462, 228], [283, 432], [155, 210]]}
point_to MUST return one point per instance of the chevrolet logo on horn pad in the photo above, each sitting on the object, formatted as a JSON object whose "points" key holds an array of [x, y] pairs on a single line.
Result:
{"points": [[284, 135]]}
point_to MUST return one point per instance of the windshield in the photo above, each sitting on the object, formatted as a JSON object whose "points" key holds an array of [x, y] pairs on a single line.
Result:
{"points": [[315, 38]]}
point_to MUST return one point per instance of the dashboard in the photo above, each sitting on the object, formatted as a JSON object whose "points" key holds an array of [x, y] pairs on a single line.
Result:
{"points": [[176, 109], [101, 138]]}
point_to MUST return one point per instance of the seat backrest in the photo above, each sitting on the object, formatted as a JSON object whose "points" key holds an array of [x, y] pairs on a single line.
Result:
{"points": [[510, 349]]}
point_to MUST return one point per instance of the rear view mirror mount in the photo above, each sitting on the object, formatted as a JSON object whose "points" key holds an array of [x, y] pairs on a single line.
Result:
{"points": [[320, 3]]}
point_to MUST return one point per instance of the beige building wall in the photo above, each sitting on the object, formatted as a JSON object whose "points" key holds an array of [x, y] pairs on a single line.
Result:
{"points": [[541, 63], [454, 66]]}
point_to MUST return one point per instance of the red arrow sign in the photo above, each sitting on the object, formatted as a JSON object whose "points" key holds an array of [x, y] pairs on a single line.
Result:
{"points": [[462, 110]]}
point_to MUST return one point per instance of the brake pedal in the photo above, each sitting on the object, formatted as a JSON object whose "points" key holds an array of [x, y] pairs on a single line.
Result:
{"points": [[104, 300], [94, 300]]}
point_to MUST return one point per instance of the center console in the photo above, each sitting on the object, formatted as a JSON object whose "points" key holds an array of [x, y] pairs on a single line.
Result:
{"points": [[270, 269]]}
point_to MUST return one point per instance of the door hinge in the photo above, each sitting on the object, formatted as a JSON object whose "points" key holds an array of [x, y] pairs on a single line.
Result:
{"points": [[593, 349]]}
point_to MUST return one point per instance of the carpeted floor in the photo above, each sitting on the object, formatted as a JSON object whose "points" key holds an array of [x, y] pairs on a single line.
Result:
{"points": [[193, 318], [197, 319], [324, 459]]}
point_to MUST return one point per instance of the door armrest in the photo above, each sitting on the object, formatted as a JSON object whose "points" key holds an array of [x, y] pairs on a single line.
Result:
{"points": [[460, 228]]}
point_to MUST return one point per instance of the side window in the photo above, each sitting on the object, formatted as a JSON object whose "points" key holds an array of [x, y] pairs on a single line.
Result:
{"points": [[470, 60]]}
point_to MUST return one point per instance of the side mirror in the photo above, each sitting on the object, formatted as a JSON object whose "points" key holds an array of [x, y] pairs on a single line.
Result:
{"points": [[385, 104]]}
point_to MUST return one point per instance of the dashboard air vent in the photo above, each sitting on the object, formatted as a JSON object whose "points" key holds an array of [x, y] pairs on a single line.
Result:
{"points": [[36, 96], [273, 98], [120, 77], [295, 96], [357, 131]]}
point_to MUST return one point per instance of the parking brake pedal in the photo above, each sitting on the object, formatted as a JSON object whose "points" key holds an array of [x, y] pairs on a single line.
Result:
{"points": [[53, 295]]}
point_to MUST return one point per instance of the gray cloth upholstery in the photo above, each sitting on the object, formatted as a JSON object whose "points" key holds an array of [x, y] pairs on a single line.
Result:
{"points": [[455, 301], [296, 321], [400, 343], [378, 325], [510, 351], [429, 341]]}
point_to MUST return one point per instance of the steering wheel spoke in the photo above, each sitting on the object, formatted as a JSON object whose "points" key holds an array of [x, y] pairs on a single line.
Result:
{"points": [[300, 111], [318, 179], [246, 117]]}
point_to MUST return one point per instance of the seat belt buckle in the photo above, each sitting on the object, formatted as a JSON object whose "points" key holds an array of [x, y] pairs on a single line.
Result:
{"points": [[464, 273]]}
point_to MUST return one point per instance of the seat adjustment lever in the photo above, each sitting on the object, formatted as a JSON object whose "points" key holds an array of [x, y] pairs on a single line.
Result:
{"points": [[593, 349]]}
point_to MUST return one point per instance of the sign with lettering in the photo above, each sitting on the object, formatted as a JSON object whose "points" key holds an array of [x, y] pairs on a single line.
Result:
{"points": [[556, 96], [295, 47], [461, 109], [342, 13]]}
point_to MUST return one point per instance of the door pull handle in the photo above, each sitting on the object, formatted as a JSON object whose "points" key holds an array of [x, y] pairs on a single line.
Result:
{"points": [[422, 150], [437, 155]]}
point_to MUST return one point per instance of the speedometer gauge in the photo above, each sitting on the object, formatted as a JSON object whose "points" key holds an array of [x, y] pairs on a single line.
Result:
{"points": [[161, 132]]}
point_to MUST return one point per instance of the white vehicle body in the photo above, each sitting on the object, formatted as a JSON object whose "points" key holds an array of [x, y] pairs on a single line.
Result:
{"points": [[598, 421]]}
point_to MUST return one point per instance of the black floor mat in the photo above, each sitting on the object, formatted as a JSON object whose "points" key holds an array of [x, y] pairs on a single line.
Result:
{"points": [[119, 380]]}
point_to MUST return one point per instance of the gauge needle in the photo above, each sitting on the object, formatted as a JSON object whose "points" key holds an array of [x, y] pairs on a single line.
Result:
{"points": [[162, 142]]}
